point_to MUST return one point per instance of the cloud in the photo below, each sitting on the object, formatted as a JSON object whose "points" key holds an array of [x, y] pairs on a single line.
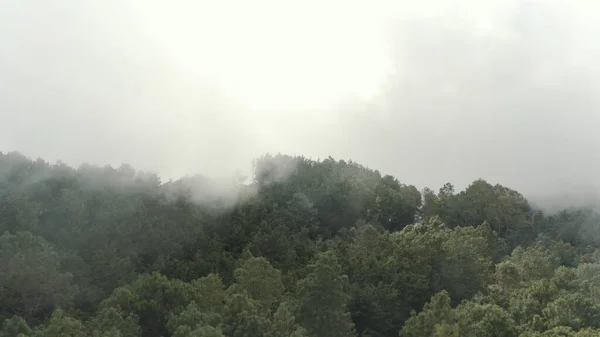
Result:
{"points": [[429, 92], [513, 104]]}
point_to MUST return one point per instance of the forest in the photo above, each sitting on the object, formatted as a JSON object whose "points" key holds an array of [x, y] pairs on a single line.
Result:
{"points": [[307, 248]]}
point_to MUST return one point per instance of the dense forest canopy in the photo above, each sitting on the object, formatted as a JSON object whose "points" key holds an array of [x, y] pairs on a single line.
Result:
{"points": [[309, 248]]}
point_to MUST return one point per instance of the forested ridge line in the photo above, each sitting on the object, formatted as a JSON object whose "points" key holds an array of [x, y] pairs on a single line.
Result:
{"points": [[325, 248]]}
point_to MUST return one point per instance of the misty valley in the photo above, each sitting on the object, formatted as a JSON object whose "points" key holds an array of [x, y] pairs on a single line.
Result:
{"points": [[306, 248]]}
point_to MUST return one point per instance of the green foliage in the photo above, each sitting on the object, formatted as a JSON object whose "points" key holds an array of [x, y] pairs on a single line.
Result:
{"points": [[113, 322], [61, 325], [242, 317], [15, 327], [204, 331], [260, 281], [308, 248], [284, 322], [151, 297], [209, 293], [192, 318], [323, 299], [31, 282]]}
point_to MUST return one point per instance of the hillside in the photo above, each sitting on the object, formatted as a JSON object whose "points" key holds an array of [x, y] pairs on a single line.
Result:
{"points": [[323, 248]]}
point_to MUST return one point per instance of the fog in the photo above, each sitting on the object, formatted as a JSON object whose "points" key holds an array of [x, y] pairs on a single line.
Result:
{"points": [[434, 92]]}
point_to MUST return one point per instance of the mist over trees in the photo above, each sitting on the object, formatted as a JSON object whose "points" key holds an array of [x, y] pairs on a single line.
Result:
{"points": [[307, 248]]}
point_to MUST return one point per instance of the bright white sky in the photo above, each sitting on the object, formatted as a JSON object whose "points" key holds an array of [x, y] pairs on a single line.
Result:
{"points": [[275, 54], [301, 54]]}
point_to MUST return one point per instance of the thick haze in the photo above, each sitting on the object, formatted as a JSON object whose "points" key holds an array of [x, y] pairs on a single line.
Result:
{"points": [[503, 90]]}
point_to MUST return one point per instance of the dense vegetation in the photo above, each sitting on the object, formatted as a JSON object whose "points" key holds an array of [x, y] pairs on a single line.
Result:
{"points": [[309, 248]]}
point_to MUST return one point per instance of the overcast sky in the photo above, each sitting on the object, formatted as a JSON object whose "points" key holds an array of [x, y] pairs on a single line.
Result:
{"points": [[435, 92]]}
